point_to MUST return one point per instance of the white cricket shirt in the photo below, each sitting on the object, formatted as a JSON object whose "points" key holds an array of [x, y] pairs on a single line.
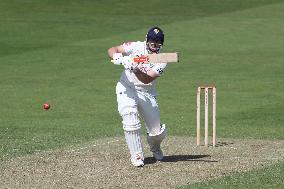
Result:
{"points": [[135, 49]]}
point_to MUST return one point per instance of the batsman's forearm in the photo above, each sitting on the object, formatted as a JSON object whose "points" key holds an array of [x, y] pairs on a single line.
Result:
{"points": [[111, 52], [117, 49], [143, 77]]}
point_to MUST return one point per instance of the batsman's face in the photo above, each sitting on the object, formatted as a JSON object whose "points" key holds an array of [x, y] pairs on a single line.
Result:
{"points": [[154, 46]]}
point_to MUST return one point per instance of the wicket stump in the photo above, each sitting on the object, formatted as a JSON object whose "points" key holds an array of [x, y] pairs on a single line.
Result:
{"points": [[206, 91]]}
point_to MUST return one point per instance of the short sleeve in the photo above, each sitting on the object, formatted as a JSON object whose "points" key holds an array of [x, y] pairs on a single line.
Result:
{"points": [[128, 47]]}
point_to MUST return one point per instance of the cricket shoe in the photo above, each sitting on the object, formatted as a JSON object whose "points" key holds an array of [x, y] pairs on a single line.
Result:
{"points": [[137, 161]]}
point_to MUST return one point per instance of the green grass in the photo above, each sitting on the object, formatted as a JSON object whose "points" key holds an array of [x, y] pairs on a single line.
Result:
{"points": [[55, 51], [268, 177]]}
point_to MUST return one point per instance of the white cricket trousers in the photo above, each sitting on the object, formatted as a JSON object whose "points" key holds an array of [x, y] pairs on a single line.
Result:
{"points": [[132, 101]]}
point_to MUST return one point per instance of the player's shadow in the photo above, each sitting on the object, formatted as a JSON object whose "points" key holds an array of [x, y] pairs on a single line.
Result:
{"points": [[176, 158]]}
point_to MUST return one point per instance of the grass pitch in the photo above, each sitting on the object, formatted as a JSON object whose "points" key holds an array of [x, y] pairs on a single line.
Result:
{"points": [[90, 165], [55, 52]]}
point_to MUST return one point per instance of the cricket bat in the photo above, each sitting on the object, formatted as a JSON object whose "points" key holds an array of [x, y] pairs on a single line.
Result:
{"points": [[157, 58]]}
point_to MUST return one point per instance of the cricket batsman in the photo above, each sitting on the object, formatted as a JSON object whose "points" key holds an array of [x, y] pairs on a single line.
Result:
{"points": [[136, 94]]}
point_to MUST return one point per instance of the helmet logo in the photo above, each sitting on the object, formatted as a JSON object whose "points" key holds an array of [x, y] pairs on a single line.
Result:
{"points": [[156, 31]]}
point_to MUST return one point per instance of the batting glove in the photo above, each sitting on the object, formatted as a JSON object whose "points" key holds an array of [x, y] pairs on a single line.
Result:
{"points": [[117, 58], [128, 63]]}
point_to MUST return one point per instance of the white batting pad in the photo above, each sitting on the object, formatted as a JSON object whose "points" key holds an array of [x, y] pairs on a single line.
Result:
{"points": [[154, 141], [131, 126], [131, 122], [134, 143]]}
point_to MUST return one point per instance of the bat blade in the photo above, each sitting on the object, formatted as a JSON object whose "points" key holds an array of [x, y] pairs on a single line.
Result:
{"points": [[158, 58]]}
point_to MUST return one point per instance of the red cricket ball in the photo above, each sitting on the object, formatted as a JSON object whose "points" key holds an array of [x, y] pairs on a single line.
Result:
{"points": [[46, 106]]}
